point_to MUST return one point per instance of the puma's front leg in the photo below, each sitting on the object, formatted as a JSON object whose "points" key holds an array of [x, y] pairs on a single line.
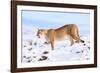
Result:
{"points": [[52, 45]]}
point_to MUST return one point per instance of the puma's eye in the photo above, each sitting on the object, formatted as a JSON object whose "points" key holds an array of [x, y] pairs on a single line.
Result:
{"points": [[39, 31]]}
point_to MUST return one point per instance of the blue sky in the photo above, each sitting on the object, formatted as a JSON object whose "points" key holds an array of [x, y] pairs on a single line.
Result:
{"points": [[47, 19]]}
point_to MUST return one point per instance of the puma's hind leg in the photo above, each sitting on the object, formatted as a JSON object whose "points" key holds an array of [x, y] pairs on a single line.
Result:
{"points": [[75, 35], [71, 40]]}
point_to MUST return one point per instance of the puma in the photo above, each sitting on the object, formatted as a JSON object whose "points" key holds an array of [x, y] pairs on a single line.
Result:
{"points": [[53, 35]]}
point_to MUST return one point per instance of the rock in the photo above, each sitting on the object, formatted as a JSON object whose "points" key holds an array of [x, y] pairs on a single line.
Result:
{"points": [[82, 51], [43, 58], [88, 41], [45, 52], [24, 45], [70, 50], [46, 42], [40, 59], [24, 56], [29, 60], [35, 43], [84, 44], [28, 57], [40, 45], [77, 52], [30, 49], [34, 56], [30, 42], [88, 47]]}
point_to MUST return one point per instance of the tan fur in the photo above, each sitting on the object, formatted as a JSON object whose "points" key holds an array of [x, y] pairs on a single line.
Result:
{"points": [[52, 35]]}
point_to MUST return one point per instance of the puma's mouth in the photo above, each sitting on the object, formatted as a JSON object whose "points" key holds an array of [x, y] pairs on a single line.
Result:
{"points": [[38, 36]]}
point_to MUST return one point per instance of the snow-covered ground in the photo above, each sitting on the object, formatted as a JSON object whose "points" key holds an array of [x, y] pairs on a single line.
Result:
{"points": [[34, 49]]}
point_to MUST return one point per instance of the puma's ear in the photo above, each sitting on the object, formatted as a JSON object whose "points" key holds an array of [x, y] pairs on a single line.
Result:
{"points": [[38, 29]]}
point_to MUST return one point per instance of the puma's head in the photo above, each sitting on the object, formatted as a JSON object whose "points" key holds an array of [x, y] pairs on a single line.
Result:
{"points": [[41, 33]]}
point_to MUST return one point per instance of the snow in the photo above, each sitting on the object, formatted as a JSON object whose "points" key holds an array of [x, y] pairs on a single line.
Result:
{"points": [[34, 50]]}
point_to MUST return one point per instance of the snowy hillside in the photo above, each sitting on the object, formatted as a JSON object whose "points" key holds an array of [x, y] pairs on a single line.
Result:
{"points": [[34, 50]]}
